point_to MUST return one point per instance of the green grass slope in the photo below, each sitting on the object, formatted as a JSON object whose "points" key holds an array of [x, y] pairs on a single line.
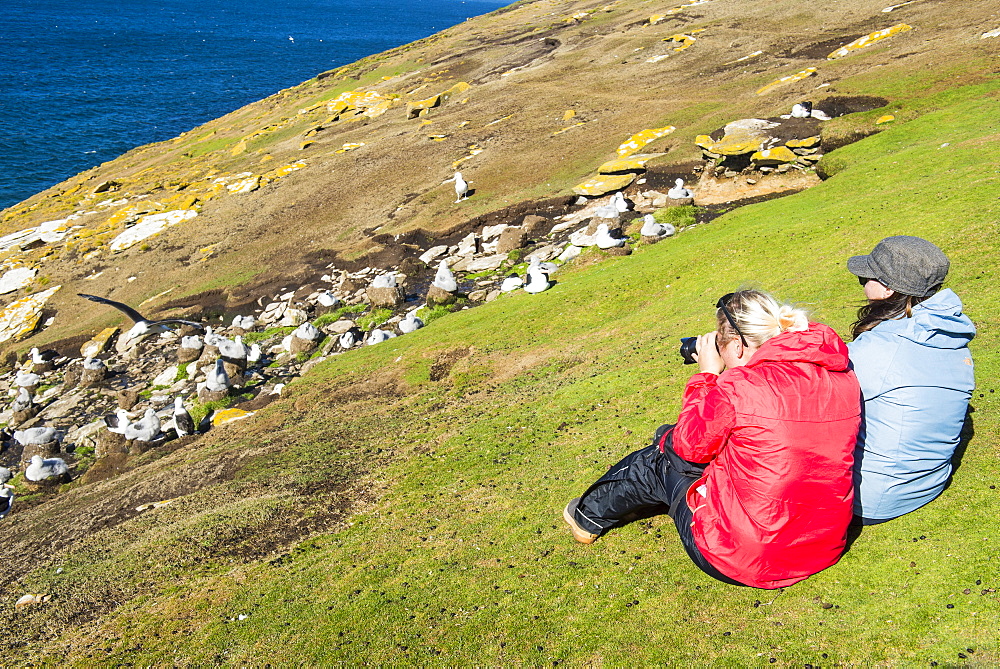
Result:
{"points": [[443, 459]]}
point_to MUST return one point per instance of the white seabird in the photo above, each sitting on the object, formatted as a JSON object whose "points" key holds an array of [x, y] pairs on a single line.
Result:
{"points": [[118, 421], [42, 468], [348, 339], [411, 323], [42, 357], [244, 322], [26, 379], [233, 349], [679, 192], [387, 280], [512, 282], [22, 401], [444, 279], [143, 326], [217, 380], [378, 336], [183, 423], [6, 501], [461, 187], [327, 299], [146, 428], [650, 228], [802, 109], [254, 354], [619, 202], [604, 239], [538, 280], [93, 363], [35, 435]]}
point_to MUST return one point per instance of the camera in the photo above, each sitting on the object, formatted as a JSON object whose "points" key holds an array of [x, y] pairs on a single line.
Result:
{"points": [[689, 348]]}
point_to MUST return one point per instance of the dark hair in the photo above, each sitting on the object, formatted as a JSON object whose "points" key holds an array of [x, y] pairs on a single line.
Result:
{"points": [[895, 306]]}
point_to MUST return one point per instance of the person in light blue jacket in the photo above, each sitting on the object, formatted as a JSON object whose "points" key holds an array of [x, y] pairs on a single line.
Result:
{"points": [[911, 356]]}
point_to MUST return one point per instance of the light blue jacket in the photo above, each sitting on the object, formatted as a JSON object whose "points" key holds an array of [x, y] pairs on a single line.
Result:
{"points": [[916, 379]]}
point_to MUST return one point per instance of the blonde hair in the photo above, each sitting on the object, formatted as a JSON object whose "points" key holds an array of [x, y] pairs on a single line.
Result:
{"points": [[759, 317]]}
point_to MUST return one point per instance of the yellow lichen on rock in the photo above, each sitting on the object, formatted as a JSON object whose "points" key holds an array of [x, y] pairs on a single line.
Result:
{"points": [[229, 416], [19, 319], [569, 127], [602, 185], [776, 156], [568, 114], [791, 78], [98, 344], [457, 89], [868, 39], [704, 141], [806, 143], [641, 139], [632, 163], [354, 100], [284, 170], [685, 41], [474, 150], [421, 107], [887, 118], [350, 146], [656, 18]]}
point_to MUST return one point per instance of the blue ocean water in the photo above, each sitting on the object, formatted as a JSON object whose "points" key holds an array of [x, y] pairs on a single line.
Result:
{"points": [[83, 81]]}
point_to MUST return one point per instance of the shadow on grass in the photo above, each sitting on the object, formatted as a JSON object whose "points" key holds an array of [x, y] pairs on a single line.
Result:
{"points": [[966, 435]]}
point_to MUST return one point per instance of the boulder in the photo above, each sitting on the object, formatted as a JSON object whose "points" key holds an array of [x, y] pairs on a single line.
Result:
{"points": [[339, 327], [437, 295], [18, 418], [384, 296], [604, 184], [128, 398], [150, 225], [773, 157], [511, 239], [624, 250], [90, 378], [19, 319], [17, 278], [47, 450], [293, 318], [635, 163], [432, 254], [536, 226], [641, 139], [187, 354], [206, 395], [298, 345], [739, 137]]}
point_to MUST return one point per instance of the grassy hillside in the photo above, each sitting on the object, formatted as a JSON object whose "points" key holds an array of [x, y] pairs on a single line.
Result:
{"points": [[402, 504]]}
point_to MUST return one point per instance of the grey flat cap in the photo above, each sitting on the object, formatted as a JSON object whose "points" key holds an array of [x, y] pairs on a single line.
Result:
{"points": [[908, 265]]}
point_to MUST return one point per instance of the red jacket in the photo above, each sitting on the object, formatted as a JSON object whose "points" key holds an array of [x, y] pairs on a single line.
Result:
{"points": [[775, 501]]}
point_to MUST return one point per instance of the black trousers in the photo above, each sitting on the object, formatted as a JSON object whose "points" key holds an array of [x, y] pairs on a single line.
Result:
{"points": [[646, 482]]}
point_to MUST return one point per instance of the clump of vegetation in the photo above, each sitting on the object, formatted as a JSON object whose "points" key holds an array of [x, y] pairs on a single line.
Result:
{"points": [[374, 319], [430, 314], [325, 319], [349, 310], [679, 217], [255, 337]]}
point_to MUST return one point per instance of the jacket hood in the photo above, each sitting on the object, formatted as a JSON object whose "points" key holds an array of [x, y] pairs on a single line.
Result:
{"points": [[818, 345], [937, 322]]}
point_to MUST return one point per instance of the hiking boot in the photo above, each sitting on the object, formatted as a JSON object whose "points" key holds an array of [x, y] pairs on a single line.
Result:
{"points": [[580, 534]]}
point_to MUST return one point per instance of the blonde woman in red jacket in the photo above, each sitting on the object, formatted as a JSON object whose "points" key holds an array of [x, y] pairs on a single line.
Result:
{"points": [[757, 471]]}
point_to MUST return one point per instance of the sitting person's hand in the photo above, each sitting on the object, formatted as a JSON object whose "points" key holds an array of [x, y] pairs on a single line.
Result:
{"points": [[708, 357]]}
